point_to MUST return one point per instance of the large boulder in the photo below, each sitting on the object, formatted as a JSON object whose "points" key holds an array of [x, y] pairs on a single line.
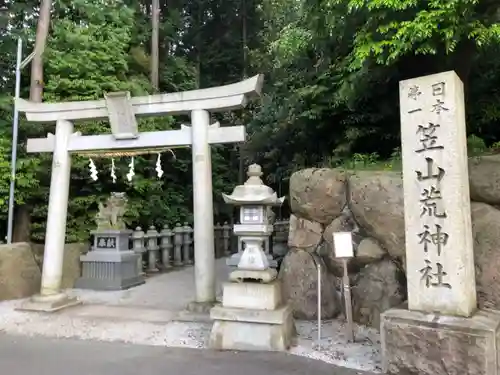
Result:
{"points": [[72, 268], [485, 231], [343, 223], [71, 261], [304, 234], [300, 277], [318, 194], [377, 203], [484, 179], [378, 287], [369, 251], [20, 275]]}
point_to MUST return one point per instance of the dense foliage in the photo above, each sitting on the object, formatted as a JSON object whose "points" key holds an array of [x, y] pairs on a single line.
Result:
{"points": [[332, 69]]}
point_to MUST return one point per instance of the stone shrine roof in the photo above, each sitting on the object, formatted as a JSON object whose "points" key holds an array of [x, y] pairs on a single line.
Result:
{"points": [[253, 191]]}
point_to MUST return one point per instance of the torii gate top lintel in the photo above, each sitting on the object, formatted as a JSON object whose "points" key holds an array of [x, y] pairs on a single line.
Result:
{"points": [[121, 110], [215, 99]]}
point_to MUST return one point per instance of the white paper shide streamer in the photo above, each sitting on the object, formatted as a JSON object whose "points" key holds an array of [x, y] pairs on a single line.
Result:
{"points": [[113, 170], [93, 170], [131, 172], [158, 169]]}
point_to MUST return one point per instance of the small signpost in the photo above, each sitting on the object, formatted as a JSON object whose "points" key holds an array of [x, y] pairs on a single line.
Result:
{"points": [[344, 250]]}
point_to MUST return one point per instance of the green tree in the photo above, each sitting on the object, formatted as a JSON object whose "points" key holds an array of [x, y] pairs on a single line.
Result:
{"points": [[335, 65]]}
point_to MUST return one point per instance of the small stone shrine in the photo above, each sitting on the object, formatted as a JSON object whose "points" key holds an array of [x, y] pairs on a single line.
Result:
{"points": [[253, 315], [110, 264]]}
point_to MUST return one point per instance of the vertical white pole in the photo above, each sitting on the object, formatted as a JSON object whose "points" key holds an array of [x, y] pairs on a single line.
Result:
{"points": [[204, 252], [15, 127], [57, 212], [319, 304], [348, 302]]}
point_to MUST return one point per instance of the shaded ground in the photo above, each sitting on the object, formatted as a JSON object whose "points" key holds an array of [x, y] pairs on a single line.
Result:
{"points": [[170, 291], [46, 356]]}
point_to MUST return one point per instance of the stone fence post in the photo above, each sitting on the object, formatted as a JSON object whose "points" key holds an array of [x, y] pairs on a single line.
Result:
{"points": [[167, 246], [218, 244], [226, 236], [178, 239], [152, 248], [186, 243], [281, 231], [139, 248], [174, 247]]}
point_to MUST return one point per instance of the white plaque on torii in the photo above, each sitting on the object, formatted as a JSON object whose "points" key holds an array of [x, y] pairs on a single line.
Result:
{"points": [[121, 115]]}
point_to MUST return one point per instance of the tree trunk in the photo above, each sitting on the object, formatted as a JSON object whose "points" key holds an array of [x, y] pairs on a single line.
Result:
{"points": [[155, 44], [22, 217], [42, 32], [244, 36], [198, 46], [241, 147], [462, 63], [166, 39]]}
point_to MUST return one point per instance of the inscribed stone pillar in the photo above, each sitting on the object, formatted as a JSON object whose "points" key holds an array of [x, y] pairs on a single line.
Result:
{"points": [[440, 332], [203, 212], [439, 253]]}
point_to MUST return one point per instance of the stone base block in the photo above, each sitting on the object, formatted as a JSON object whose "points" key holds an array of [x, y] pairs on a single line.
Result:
{"points": [[416, 343], [200, 307], [111, 239], [245, 329], [109, 271], [234, 260], [252, 295], [264, 276], [108, 284], [49, 304]]}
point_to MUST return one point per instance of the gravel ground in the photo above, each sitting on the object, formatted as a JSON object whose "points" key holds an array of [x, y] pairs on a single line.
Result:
{"points": [[145, 315]]}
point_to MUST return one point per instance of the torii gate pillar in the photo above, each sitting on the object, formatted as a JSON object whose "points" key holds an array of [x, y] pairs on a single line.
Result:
{"points": [[203, 211], [51, 298]]}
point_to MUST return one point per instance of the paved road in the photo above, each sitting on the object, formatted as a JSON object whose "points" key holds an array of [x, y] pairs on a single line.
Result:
{"points": [[46, 356]]}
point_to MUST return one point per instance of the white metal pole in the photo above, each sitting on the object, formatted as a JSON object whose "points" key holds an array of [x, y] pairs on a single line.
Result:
{"points": [[15, 126], [348, 303], [318, 267]]}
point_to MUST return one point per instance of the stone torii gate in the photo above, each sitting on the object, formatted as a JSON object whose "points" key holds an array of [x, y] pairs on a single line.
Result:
{"points": [[121, 110]]}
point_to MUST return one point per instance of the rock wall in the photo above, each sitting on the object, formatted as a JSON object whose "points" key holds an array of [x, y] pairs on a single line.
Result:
{"points": [[21, 264], [370, 205], [20, 274]]}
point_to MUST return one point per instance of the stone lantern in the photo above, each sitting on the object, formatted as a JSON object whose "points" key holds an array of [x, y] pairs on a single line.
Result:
{"points": [[253, 315], [256, 221]]}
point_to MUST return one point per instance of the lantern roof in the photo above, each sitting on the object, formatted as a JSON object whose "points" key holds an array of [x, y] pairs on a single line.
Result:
{"points": [[253, 191]]}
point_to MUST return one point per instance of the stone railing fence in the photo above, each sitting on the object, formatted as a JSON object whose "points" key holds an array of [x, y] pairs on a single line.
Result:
{"points": [[169, 247], [281, 228]]}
